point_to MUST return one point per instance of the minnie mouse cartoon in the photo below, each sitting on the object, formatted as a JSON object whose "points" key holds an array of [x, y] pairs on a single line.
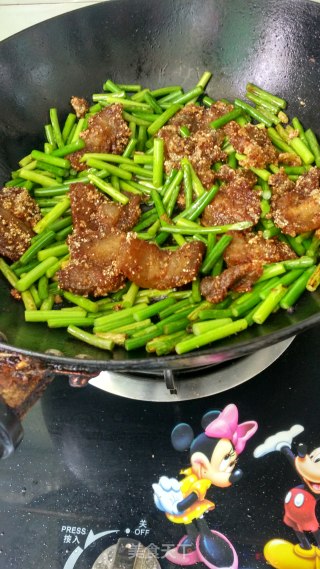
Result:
{"points": [[213, 459]]}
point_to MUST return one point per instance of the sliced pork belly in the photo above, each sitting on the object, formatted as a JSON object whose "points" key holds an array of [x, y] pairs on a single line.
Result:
{"points": [[80, 106], [248, 247], [202, 147], [107, 132], [149, 266], [199, 118], [235, 201], [217, 110], [239, 278], [245, 257], [92, 210], [96, 242], [295, 206], [94, 268], [253, 142], [18, 215]]}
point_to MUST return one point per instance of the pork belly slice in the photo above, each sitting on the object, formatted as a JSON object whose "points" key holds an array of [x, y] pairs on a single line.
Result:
{"points": [[15, 235], [202, 147], [252, 141], [20, 204], [94, 268], [199, 118], [18, 215], [99, 266], [191, 116], [80, 106], [92, 210], [217, 110], [151, 267], [99, 226], [249, 247], [107, 132], [235, 201], [238, 278], [295, 206], [87, 278], [227, 174], [245, 257], [289, 159]]}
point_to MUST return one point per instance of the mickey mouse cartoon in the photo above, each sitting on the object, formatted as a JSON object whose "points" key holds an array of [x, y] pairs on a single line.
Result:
{"points": [[299, 504], [213, 459]]}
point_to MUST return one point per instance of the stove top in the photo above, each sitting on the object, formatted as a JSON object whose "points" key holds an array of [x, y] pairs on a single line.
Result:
{"points": [[81, 480]]}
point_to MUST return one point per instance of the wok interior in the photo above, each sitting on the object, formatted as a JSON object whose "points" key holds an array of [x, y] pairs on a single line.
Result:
{"points": [[275, 45]]}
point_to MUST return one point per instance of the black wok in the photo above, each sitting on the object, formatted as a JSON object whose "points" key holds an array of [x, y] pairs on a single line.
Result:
{"points": [[275, 44]]}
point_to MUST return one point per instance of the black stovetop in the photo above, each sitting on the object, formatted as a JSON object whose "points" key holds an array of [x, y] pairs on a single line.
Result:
{"points": [[83, 474]]}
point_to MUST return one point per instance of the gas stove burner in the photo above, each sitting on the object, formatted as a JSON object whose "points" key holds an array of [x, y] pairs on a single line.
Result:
{"points": [[126, 554], [181, 385]]}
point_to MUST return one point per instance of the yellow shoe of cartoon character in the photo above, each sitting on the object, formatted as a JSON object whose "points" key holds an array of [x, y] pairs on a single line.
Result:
{"points": [[282, 554], [317, 558]]}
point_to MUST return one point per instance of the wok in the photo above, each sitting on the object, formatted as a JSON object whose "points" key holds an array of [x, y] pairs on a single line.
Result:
{"points": [[275, 44]]}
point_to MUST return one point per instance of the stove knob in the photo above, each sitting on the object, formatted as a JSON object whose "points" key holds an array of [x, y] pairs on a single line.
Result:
{"points": [[126, 554], [11, 431]]}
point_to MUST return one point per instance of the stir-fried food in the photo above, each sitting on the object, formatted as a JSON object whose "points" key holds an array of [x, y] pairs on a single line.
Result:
{"points": [[97, 240], [92, 211], [295, 206], [151, 267], [253, 142], [103, 255], [106, 132], [18, 215], [94, 267], [166, 219], [245, 258], [236, 200], [203, 146], [239, 277]]}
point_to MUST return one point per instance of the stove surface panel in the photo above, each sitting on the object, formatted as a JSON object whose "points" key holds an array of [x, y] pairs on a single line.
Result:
{"points": [[82, 477]]}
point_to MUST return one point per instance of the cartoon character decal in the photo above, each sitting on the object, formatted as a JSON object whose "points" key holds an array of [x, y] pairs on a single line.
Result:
{"points": [[213, 462], [299, 504]]}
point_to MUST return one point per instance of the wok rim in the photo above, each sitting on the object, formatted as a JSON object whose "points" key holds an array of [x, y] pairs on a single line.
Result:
{"points": [[176, 362]]}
